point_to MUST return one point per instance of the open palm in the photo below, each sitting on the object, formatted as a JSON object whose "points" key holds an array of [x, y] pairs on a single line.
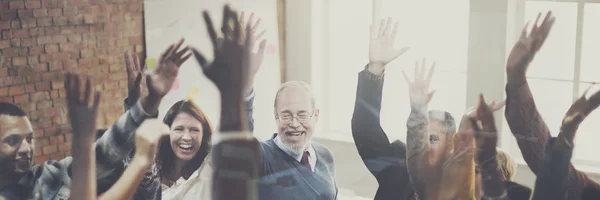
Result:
{"points": [[419, 88], [162, 78], [381, 45]]}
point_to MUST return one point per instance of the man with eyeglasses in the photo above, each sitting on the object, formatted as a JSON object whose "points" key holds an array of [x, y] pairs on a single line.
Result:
{"points": [[292, 166]]}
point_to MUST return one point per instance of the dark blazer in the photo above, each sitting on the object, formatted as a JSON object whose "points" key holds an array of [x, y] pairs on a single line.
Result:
{"points": [[385, 160]]}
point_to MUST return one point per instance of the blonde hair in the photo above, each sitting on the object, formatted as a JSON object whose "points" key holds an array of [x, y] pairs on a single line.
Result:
{"points": [[299, 84], [507, 165]]}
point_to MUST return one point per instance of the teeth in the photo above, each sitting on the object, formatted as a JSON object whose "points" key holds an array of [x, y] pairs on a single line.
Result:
{"points": [[185, 146]]}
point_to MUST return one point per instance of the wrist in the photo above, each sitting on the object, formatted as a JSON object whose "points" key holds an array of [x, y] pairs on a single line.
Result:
{"points": [[150, 103], [142, 160], [376, 68]]}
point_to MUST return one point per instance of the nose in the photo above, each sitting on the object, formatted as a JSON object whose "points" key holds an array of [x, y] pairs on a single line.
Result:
{"points": [[294, 123], [186, 136], [24, 148]]}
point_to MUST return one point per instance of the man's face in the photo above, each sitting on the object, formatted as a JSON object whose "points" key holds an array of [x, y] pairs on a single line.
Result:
{"points": [[437, 134], [296, 118], [16, 144]]}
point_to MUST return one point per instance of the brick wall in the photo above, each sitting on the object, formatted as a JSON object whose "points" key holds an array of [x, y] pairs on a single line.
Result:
{"points": [[43, 39]]}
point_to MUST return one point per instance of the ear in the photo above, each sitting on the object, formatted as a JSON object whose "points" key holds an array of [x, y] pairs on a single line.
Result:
{"points": [[316, 115]]}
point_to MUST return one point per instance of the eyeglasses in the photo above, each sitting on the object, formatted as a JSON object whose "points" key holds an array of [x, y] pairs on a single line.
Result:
{"points": [[302, 117]]}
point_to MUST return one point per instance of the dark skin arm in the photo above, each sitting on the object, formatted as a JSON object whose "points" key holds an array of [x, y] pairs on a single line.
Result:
{"points": [[235, 175]]}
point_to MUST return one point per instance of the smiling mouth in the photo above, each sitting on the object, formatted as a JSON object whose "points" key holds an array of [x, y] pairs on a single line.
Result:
{"points": [[186, 148], [295, 134]]}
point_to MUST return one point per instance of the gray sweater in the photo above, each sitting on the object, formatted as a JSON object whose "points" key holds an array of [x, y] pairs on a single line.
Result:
{"points": [[284, 178]]}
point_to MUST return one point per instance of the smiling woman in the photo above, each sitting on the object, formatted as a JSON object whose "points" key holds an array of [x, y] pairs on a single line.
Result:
{"points": [[183, 152]]}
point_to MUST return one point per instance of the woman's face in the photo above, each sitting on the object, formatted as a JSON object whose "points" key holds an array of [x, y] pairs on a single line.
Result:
{"points": [[186, 136]]}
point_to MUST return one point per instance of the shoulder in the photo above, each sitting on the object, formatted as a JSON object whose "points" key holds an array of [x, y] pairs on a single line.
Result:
{"points": [[323, 152]]}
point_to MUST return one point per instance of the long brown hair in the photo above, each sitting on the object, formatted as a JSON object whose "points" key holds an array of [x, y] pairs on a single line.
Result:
{"points": [[165, 159]]}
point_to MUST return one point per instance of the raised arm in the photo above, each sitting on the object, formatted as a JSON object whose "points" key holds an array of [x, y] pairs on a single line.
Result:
{"points": [[486, 135], [417, 140], [83, 110], [235, 151], [118, 141], [552, 179], [147, 138], [524, 120], [371, 141]]}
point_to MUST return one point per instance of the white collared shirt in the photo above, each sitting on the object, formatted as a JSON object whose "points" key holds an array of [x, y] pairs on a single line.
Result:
{"points": [[312, 156]]}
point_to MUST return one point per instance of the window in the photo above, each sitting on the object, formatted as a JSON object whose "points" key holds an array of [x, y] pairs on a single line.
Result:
{"points": [[443, 40], [566, 65]]}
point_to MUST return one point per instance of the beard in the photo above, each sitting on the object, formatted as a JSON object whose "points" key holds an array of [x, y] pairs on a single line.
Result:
{"points": [[296, 146]]}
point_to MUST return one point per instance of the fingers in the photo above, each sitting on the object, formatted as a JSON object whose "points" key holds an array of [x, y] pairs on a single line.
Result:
{"points": [[138, 79], [237, 30], [430, 96], [76, 89], [498, 105], [96, 102], [88, 93], [255, 26], [401, 51], [524, 31], [136, 62], [261, 50], [430, 75], [422, 72], [535, 25], [388, 28], [394, 32], [260, 35], [164, 55], [69, 88], [183, 59], [416, 70], [241, 19], [164, 129], [381, 28], [174, 51], [200, 59], [211, 29], [128, 63]]}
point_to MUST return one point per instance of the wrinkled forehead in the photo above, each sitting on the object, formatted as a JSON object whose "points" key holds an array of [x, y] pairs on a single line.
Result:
{"points": [[11, 125], [294, 99]]}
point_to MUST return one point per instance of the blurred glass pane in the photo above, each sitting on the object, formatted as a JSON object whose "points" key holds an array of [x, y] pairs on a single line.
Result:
{"points": [[348, 54], [590, 53], [556, 58], [441, 31]]}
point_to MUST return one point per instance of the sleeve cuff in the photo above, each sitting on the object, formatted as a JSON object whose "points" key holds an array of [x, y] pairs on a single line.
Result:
{"points": [[250, 97], [231, 135], [138, 113], [126, 104], [365, 72]]}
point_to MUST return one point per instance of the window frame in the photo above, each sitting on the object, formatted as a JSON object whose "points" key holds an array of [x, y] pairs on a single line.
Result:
{"points": [[516, 25]]}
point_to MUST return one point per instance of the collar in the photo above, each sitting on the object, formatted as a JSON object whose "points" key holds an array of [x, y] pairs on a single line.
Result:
{"points": [[311, 151]]}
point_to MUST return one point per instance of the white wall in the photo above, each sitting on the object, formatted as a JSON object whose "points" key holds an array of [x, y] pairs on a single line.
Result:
{"points": [[166, 21]]}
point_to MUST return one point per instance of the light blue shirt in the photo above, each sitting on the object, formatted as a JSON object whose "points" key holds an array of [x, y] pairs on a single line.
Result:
{"points": [[312, 156]]}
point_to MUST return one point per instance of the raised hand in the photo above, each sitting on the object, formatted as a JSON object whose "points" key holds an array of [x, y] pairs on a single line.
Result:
{"points": [[419, 88], [578, 111], [528, 45], [83, 108], [493, 107], [147, 138], [230, 67], [161, 79], [486, 134], [256, 58], [381, 46], [134, 76]]}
